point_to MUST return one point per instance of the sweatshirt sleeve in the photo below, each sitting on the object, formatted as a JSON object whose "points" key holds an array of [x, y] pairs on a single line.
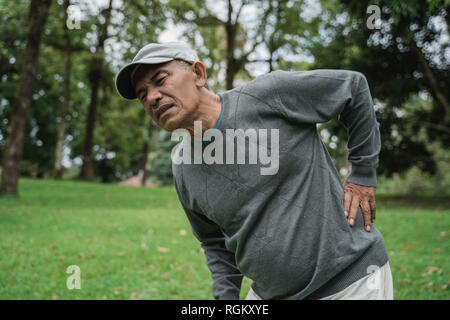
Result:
{"points": [[221, 262], [319, 95]]}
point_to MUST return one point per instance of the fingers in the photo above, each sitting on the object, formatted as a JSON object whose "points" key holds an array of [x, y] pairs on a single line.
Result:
{"points": [[353, 210], [347, 203], [356, 196], [366, 214], [373, 209]]}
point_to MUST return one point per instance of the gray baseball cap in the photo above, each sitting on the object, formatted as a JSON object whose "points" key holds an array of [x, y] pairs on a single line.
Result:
{"points": [[152, 53]]}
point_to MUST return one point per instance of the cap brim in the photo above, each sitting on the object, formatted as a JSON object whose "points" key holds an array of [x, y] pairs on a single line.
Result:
{"points": [[123, 79]]}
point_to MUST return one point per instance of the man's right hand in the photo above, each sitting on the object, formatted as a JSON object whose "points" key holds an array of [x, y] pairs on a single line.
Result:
{"points": [[355, 196]]}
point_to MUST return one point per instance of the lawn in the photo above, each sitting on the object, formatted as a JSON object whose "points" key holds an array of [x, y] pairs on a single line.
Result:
{"points": [[135, 243]]}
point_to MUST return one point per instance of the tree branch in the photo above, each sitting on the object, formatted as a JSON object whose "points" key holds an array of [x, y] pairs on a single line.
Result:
{"points": [[260, 31], [243, 3], [433, 126], [206, 21]]}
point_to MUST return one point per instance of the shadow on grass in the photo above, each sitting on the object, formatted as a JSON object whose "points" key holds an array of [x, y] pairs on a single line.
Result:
{"points": [[418, 201]]}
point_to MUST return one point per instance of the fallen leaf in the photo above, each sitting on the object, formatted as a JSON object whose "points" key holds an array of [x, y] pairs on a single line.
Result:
{"points": [[405, 281], [431, 270], [434, 269], [400, 268], [82, 255], [163, 250], [183, 232], [407, 247], [136, 296]]}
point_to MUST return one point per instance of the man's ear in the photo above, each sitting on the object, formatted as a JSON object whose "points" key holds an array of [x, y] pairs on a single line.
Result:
{"points": [[199, 70]]}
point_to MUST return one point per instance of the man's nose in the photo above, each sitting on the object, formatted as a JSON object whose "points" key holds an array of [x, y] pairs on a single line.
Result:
{"points": [[153, 98]]}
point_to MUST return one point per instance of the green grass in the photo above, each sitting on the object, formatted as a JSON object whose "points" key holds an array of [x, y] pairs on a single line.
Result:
{"points": [[417, 232], [136, 243]]}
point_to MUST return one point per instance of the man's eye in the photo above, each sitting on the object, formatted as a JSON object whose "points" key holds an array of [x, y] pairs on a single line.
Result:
{"points": [[160, 80]]}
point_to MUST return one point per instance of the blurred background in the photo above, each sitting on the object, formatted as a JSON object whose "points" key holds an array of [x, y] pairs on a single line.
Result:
{"points": [[74, 124], [68, 140]]}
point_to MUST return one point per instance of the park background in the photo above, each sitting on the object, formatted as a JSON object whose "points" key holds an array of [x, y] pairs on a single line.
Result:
{"points": [[86, 177]]}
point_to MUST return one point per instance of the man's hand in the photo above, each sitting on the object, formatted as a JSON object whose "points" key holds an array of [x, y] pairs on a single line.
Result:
{"points": [[356, 195]]}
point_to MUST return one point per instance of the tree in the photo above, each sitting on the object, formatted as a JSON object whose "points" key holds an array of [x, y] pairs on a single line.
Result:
{"points": [[148, 145], [234, 53], [68, 48], [134, 24], [95, 74], [402, 59], [38, 14]]}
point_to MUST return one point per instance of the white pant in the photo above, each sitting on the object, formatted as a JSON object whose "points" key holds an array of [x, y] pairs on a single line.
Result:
{"points": [[377, 285]]}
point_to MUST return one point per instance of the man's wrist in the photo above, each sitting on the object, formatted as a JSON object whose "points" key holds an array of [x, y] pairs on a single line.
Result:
{"points": [[363, 175]]}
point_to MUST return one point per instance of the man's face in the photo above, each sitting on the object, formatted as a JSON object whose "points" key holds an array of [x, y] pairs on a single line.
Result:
{"points": [[168, 93]]}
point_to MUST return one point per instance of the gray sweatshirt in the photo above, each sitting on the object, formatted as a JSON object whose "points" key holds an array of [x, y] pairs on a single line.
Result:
{"points": [[287, 231]]}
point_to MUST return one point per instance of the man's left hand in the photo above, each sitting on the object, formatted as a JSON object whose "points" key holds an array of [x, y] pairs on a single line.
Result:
{"points": [[356, 195]]}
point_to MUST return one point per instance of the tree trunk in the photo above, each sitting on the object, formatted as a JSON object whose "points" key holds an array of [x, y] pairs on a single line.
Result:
{"points": [[271, 61], [145, 151], [58, 170], [234, 65], [230, 29], [147, 148], [144, 163], [272, 45], [37, 18], [87, 170], [95, 71], [231, 71]]}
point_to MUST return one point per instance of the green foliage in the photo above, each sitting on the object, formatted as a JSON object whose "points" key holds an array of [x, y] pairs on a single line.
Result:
{"points": [[120, 132], [12, 48], [416, 181], [161, 163], [391, 59], [289, 35]]}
